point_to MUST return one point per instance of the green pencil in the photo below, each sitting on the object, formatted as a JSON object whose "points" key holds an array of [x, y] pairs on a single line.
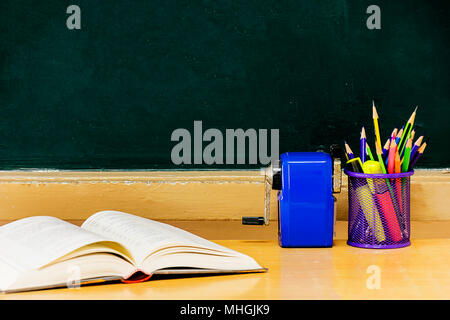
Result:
{"points": [[407, 156], [407, 132], [369, 152]]}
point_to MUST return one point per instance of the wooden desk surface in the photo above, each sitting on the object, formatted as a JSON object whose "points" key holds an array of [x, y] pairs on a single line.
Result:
{"points": [[417, 272]]}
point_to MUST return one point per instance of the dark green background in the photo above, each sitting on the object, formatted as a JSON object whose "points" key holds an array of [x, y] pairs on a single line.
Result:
{"points": [[110, 95]]}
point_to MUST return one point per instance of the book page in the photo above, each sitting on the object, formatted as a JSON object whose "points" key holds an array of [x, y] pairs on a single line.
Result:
{"points": [[31, 243], [142, 236]]}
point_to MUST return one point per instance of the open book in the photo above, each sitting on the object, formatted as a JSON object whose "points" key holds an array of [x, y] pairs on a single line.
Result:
{"points": [[46, 252]]}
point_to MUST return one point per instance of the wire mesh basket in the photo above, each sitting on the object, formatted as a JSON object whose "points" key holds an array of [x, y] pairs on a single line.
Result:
{"points": [[379, 210]]}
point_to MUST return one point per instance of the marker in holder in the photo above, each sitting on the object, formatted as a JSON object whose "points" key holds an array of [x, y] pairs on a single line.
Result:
{"points": [[387, 201]]}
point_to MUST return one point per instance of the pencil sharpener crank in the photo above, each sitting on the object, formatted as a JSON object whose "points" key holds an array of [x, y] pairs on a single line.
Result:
{"points": [[306, 184]]}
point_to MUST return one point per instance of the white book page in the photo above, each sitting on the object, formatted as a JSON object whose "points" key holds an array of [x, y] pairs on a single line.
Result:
{"points": [[31, 243], [143, 236]]}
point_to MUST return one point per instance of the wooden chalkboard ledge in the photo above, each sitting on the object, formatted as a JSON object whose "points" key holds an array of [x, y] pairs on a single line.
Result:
{"points": [[177, 195]]}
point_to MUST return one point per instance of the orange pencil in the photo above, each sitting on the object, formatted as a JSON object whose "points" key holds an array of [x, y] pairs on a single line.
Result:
{"points": [[397, 163]]}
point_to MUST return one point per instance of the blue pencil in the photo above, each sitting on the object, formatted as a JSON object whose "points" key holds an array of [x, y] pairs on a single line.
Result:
{"points": [[417, 156], [416, 147], [363, 145], [348, 151]]}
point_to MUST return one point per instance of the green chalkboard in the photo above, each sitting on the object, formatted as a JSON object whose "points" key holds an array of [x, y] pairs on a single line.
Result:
{"points": [[110, 94]]}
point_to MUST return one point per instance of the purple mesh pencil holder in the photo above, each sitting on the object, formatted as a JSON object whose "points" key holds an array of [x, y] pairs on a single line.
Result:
{"points": [[379, 210]]}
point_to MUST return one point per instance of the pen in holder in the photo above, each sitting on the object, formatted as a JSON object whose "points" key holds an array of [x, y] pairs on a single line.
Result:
{"points": [[379, 210]]}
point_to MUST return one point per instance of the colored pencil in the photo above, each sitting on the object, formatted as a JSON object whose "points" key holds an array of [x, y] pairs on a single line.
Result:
{"points": [[406, 157], [380, 158], [418, 155], [375, 125], [416, 146], [392, 150], [393, 138], [363, 145], [385, 201], [398, 155], [397, 163], [398, 181], [413, 132], [407, 131], [399, 136], [369, 152], [391, 191], [386, 147], [348, 151]]}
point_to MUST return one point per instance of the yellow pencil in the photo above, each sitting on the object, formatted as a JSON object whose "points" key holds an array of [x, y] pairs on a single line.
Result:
{"points": [[375, 124]]}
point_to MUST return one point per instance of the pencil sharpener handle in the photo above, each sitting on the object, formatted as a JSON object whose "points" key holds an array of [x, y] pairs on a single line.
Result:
{"points": [[253, 221], [272, 180]]}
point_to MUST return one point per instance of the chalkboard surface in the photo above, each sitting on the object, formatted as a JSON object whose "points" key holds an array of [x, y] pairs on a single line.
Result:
{"points": [[110, 94]]}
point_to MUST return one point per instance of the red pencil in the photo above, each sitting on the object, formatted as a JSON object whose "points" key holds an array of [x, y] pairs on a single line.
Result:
{"points": [[391, 163]]}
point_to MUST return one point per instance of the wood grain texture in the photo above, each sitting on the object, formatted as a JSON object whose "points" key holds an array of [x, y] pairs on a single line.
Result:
{"points": [[341, 272], [235, 230], [177, 195]]}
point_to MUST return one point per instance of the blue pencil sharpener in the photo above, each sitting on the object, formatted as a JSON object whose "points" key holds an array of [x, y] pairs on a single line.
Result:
{"points": [[306, 182]]}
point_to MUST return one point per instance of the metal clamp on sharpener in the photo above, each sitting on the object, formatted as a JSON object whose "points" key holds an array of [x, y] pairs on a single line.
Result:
{"points": [[306, 182]]}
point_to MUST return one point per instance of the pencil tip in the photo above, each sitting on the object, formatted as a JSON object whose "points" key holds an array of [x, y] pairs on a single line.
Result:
{"points": [[374, 112], [394, 132], [393, 143], [409, 143], [413, 116], [419, 140], [422, 147]]}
